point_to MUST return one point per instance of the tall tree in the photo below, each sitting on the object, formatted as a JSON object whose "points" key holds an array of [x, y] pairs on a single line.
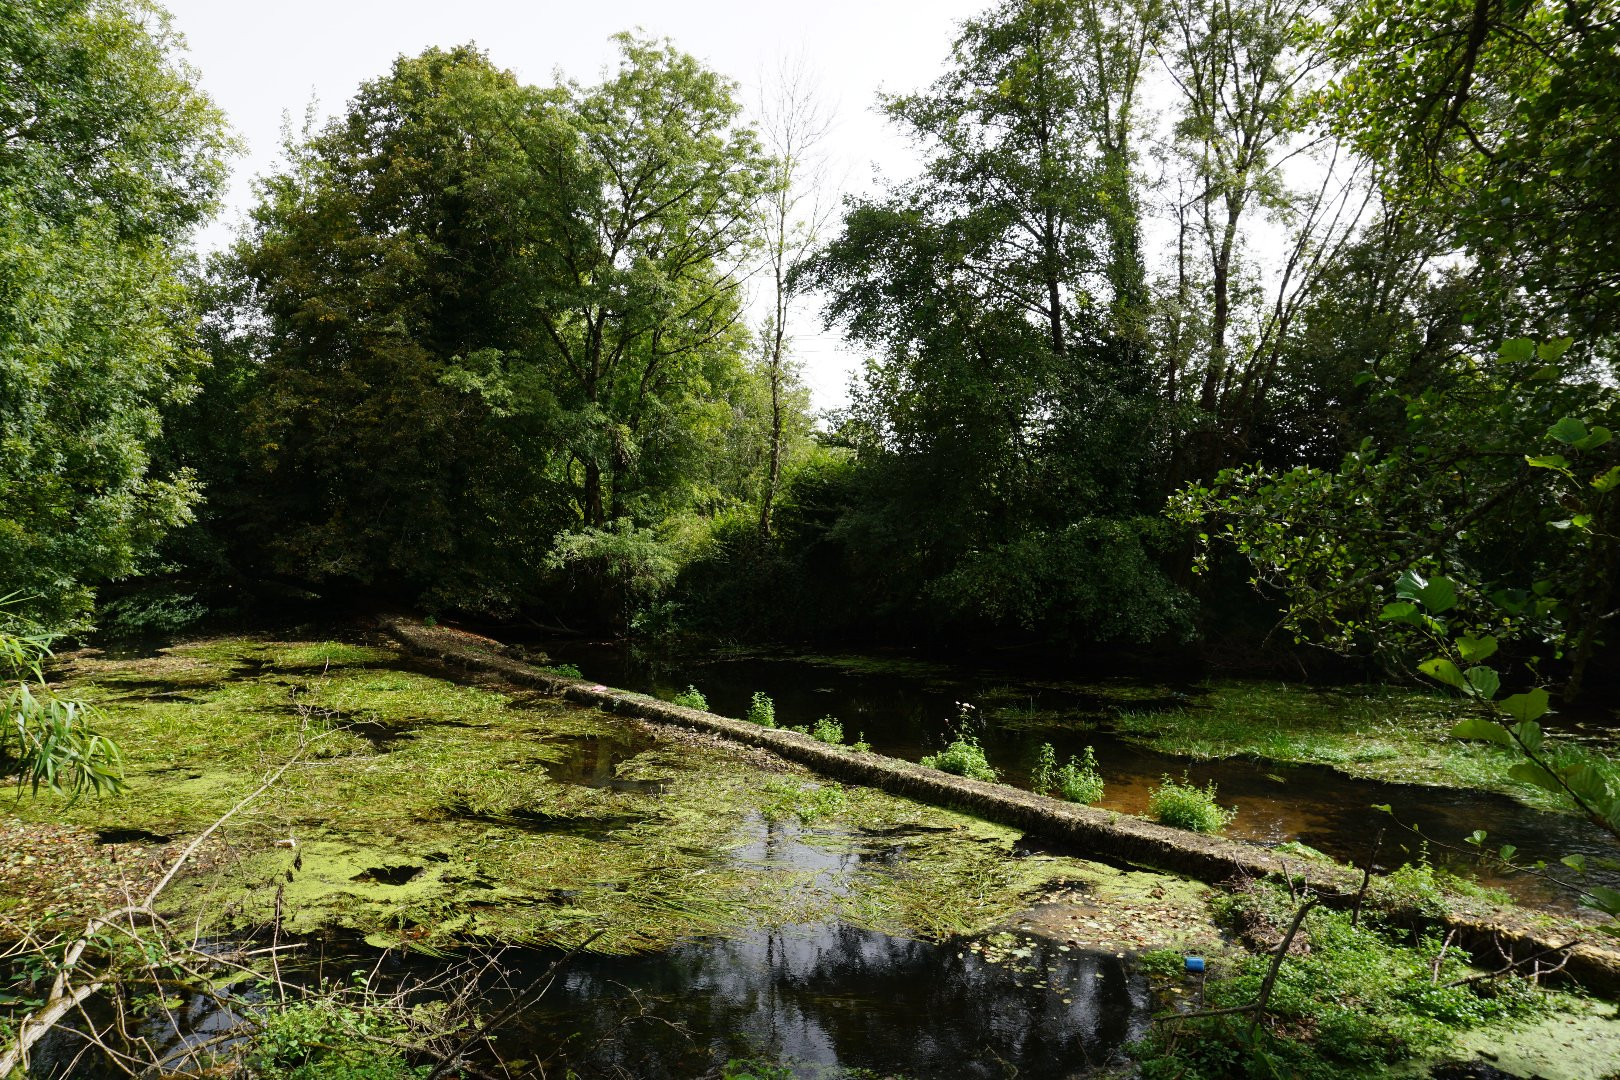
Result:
{"points": [[109, 156]]}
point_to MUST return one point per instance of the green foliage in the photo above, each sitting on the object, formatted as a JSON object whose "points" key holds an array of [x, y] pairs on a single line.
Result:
{"points": [[517, 306], [110, 157], [808, 803], [1184, 805], [860, 745], [46, 740], [828, 730], [762, 710], [320, 1039], [151, 611], [691, 698], [963, 757], [566, 671], [1076, 780], [1356, 1005]]}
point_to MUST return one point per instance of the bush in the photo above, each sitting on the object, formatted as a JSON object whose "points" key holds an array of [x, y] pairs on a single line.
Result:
{"points": [[563, 671], [1078, 780], [964, 757], [1185, 805], [762, 710], [828, 730], [860, 745], [692, 698]]}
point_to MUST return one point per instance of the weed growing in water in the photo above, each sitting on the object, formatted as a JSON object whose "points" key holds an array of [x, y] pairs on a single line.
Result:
{"points": [[1076, 780], [808, 803], [1185, 805], [964, 757], [762, 710], [828, 730], [691, 698]]}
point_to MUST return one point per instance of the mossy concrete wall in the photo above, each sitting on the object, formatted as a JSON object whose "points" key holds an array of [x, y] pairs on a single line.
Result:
{"points": [[1098, 834]]}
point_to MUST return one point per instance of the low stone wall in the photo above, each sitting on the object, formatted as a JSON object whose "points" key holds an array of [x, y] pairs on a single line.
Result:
{"points": [[1098, 834]]}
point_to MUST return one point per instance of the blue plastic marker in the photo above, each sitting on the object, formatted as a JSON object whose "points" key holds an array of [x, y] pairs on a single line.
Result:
{"points": [[1195, 965]]}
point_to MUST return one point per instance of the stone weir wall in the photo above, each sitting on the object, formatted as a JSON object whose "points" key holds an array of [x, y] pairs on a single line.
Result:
{"points": [[1487, 931]]}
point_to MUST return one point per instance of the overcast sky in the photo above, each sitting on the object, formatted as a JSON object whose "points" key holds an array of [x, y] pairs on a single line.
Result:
{"points": [[260, 61]]}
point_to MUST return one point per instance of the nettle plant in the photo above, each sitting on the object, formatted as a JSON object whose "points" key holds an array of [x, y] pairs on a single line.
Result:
{"points": [[1511, 722]]}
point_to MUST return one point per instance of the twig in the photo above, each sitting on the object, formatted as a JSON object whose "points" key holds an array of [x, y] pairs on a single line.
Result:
{"points": [[1483, 976], [1366, 879]]}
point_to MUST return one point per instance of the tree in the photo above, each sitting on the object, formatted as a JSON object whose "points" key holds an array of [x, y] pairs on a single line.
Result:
{"points": [[109, 155], [518, 307], [796, 212], [1500, 119], [1010, 414]]}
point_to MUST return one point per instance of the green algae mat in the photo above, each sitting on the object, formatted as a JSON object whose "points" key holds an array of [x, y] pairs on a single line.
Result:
{"points": [[427, 811]]}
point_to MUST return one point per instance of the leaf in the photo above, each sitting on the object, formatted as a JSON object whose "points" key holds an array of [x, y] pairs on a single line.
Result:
{"points": [[1484, 681], [1362, 378], [1530, 705], [1594, 438], [1402, 611], [1552, 350], [1512, 601], [1528, 772], [1586, 782], [1382, 808], [1568, 430], [1528, 733], [1439, 595], [1576, 863], [1517, 350], [1475, 649], [1479, 729], [1442, 670], [1603, 898], [1477, 838], [1547, 461], [1410, 585], [1507, 853], [1607, 482]]}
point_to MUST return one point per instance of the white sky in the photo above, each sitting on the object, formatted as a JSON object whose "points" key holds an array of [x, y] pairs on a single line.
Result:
{"points": [[260, 61]]}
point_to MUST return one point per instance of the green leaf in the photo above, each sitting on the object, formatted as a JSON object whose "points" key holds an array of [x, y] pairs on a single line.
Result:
{"points": [[1556, 462], [1442, 670], [1484, 681], [1362, 378], [1475, 649], [1517, 350], [1479, 729], [1586, 782], [1512, 601], [1528, 772], [1439, 595], [1530, 705], [1594, 438], [1607, 482], [1410, 585], [1552, 350], [1528, 733], [1477, 839], [1603, 898], [1568, 430], [1507, 853], [1382, 807], [1576, 863], [1402, 611]]}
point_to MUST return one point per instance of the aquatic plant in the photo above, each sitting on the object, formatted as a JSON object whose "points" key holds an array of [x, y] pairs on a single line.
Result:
{"points": [[692, 698], [1076, 780], [963, 757], [762, 710], [828, 730], [1184, 805]]}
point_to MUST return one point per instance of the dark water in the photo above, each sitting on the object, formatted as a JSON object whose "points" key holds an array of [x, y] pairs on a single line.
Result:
{"points": [[911, 712], [826, 999]]}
